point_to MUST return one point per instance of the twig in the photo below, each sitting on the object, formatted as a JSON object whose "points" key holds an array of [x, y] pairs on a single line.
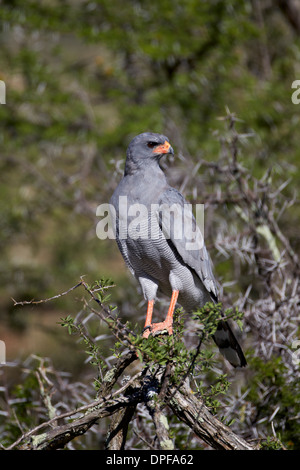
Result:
{"points": [[29, 302], [81, 283]]}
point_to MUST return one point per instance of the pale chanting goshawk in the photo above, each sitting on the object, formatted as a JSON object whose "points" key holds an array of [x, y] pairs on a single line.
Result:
{"points": [[161, 259]]}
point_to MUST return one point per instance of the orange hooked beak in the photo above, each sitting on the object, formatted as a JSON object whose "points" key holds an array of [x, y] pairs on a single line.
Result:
{"points": [[164, 148]]}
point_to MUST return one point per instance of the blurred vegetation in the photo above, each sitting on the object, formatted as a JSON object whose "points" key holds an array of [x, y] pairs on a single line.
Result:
{"points": [[82, 78]]}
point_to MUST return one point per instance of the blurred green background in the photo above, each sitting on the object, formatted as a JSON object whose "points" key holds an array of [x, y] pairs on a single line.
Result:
{"points": [[82, 78]]}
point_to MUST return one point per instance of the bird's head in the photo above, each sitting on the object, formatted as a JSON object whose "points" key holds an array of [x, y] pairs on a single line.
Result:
{"points": [[146, 149]]}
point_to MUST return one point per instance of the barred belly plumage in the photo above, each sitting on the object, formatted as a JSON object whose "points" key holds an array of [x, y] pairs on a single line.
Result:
{"points": [[174, 262]]}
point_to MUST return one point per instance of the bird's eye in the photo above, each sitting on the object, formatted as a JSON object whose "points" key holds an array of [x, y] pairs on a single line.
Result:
{"points": [[151, 145]]}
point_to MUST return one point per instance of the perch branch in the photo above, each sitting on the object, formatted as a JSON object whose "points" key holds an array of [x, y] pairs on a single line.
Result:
{"points": [[195, 414]]}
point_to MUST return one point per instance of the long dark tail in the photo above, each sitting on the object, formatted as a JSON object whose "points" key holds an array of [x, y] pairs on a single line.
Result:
{"points": [[228, 345]]}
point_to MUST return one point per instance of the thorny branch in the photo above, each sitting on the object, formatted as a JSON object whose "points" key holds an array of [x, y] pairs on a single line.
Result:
{"points": [[183, 403], [150, 387]]}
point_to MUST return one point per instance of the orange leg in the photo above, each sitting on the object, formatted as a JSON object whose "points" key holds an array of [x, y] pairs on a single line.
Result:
{"points": [[156, 328], [148, 321]]}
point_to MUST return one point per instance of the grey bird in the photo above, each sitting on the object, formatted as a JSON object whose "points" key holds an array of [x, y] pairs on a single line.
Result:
{"points": [[160, 242]]}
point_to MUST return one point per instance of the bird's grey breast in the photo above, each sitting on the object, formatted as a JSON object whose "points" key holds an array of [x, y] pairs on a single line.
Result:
{"points": [[138, 232]]}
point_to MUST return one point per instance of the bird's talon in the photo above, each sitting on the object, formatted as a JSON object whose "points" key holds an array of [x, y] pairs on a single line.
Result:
{"points": [[160, 332], [147, 331], [148, 327], [158, 329]]}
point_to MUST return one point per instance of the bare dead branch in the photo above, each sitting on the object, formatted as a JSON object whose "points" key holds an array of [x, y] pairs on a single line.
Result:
{"points": [[195, 414], [35, 302]]}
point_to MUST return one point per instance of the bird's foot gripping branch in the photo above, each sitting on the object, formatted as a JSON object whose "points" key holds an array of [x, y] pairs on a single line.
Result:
{"points": [[160, 381]]}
